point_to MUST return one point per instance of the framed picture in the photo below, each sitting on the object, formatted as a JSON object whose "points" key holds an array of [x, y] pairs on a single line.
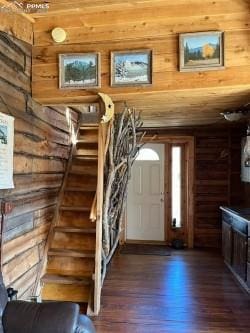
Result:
{"points": [[201, 51], [129, 68], [79, 71]]}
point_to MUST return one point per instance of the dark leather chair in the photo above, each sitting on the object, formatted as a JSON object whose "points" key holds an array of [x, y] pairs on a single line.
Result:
{"points": [[48, 317]]}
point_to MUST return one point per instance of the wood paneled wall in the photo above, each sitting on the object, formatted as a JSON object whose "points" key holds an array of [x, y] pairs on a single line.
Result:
{"points": [[42, 143], [15, 24], [247, 194], [217, 181], [154, 25], [216, 178]]}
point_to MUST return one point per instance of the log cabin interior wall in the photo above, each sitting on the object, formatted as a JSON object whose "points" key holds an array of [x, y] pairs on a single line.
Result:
{"points": [[247, 193], [216, 177], [19, 26], [175, 98], [42, 140]]}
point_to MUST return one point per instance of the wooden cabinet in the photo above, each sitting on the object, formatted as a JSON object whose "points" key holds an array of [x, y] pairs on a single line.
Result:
{"points": [[236, 244]]}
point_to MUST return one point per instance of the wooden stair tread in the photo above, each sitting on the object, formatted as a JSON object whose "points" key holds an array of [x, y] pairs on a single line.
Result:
{"points": [[86, 188], [66, 279], [83, 152], [71, 253], [88, 151], [86, 157], [89, 127], [76, 293], [88, 139], [75, 230], [75, 208]]}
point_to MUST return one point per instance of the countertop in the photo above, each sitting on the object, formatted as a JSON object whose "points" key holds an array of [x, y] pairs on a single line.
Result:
{"points": [[243, 212]]}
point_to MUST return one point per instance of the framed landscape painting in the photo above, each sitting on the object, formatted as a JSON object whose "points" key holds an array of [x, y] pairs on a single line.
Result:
{"points": [[79, 70], [129, 68], [201, 51]]}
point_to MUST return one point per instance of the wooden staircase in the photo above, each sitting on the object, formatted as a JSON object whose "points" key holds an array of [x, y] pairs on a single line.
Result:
{"points": [[71, 261]]}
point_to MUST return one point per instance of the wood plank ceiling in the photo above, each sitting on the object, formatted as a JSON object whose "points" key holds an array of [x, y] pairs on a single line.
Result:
{"points": [[174, 98]]}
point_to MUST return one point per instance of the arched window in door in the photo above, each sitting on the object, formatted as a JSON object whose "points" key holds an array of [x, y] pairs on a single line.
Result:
{"points": [[147, 154]]}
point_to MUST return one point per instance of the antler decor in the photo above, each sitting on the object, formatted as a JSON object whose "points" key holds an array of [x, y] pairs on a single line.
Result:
{"points": [[123, 148]]}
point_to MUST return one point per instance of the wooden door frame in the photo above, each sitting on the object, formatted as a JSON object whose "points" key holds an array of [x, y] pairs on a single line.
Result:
{"points": [[188, 141]]}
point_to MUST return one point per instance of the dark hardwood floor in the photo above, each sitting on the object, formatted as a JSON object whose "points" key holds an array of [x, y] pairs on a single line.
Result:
{"points": [[188, 292]]}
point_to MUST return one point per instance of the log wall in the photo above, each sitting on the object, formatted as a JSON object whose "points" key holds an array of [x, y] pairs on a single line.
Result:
{"points": [[247, 193], [217, 181], [41, 148]]}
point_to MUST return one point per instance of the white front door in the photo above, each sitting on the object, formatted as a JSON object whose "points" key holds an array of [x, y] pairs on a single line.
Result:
{"points": [[145, 205]]}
